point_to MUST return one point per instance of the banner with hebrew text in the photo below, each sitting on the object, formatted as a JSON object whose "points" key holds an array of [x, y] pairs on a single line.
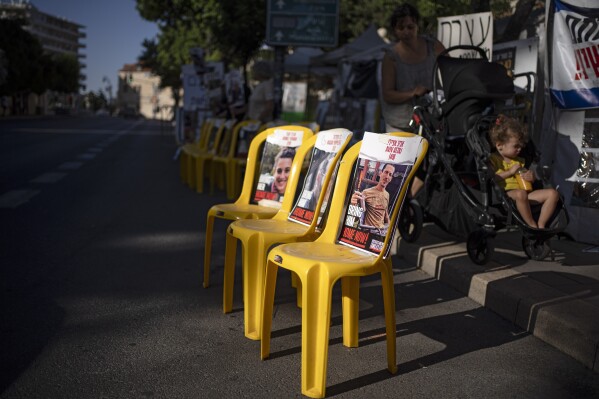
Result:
{"points": [[575, 55]]}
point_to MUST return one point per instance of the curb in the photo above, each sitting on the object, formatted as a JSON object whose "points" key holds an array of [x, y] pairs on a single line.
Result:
{"points": [[563, 320]]}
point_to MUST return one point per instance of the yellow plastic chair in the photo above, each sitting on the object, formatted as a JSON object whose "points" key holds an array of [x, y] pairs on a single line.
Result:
{"points": [[185, 160], [244, 207], [319, 265], [224, 165], [257, 236], [201, 158]]}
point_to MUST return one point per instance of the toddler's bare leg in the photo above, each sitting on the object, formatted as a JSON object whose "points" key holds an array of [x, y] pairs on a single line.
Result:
{"points": [[549, 198], [523, 206]]}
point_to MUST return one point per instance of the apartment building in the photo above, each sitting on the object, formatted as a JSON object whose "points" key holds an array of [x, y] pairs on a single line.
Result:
{"points": [[139, 94], [57, 35]]}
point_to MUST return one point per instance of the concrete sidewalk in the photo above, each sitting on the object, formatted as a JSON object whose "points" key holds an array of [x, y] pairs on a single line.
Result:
{"points": [[556, 301]]}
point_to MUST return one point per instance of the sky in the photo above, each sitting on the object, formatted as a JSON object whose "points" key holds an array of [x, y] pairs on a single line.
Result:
{"points": [[114, 32]]}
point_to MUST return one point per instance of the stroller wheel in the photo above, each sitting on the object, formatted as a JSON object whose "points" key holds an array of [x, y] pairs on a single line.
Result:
{"points": [[480, 247], [410, 221], [535, 249]]}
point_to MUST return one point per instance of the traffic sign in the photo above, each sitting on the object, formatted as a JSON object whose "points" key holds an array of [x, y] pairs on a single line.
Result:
{"points": [[302, 23]]}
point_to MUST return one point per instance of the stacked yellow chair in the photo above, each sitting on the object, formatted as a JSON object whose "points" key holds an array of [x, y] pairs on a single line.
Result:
{"points": [[203, 159], [319, 265], [185, 160], [257, 236], [224, 164], [244, 207]]}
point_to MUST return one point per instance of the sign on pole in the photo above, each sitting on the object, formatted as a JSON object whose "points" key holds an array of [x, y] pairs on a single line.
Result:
{"points": [[302, 23], [470, 29]]}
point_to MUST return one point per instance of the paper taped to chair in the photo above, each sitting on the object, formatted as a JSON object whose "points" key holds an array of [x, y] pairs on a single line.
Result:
{"points": [[381, 171], [328, 144], [277, 157]]}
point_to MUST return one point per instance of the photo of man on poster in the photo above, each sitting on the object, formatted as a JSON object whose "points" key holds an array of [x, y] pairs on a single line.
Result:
{"points": [[375, 202]]}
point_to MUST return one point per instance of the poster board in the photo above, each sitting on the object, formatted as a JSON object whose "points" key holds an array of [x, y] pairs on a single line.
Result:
{"points": [[519, 56], [381, 170], [328, 144], [277, 158], [470, 29]]}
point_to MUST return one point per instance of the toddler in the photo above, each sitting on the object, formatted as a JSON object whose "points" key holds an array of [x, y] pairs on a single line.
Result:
{"points": [[508, 137]]}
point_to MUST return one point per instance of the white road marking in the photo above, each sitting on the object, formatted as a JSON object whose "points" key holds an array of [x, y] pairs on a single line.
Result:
{"points": [[14, 198], [49, 177], [70, 165]]}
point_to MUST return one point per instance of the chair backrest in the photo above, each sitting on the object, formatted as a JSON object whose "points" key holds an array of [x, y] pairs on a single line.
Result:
{"points": [[313, 201], [213, 134], [242, 136], [224, 145], [205, 128], [392, 158], [258, 161]]}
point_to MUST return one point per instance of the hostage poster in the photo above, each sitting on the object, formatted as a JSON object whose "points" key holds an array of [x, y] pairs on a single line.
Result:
{"points": [[383, 165], [328, 144], [277, 158]]}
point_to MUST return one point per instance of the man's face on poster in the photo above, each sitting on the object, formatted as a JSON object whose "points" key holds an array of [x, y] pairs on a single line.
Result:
{"points": [[386, 175]]}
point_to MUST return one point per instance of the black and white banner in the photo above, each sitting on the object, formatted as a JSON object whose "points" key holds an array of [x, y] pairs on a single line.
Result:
{"points": [[575, 55]]}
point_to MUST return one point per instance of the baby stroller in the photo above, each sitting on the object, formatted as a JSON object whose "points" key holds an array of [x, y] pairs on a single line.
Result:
{"points": [[460, 193]]}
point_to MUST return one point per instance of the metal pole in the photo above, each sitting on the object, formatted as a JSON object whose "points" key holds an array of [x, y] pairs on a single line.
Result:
{"points": [[279, 69]]}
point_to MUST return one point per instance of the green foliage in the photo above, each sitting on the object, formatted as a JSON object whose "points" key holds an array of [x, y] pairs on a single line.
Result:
{"points": [[23, 57], [233, 31], [29, 69], [66, 73], [96, 100]]}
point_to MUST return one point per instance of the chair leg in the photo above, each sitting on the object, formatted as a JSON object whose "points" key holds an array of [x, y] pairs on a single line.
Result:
{"points": [[270, 281], [208, 248], [229, 274], [296, 282], [316, 320], [230, 180], [389, 304], [183, 167], [190, 171], [350, 287], [254, 260], [199, 175]]}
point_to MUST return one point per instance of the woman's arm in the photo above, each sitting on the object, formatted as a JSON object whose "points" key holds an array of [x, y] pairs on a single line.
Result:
{"points": [[390, 95]]}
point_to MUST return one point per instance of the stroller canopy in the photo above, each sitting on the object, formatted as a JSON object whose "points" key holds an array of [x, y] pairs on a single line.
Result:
{"points": [[466, 78]]}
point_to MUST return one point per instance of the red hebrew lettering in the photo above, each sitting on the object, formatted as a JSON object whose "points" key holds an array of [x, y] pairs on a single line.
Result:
{"points": [[298, 212], [348, 233], [392, 157], [309, 215], [581, 72], [361, 237], [593, 56]]}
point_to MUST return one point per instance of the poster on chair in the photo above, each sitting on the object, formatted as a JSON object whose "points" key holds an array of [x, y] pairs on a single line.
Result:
{"points": [[326, 148], [277, 158], [381, 171]]}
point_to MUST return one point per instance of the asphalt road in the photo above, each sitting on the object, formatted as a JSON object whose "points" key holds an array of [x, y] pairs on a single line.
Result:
{"points": [[101, 296]]}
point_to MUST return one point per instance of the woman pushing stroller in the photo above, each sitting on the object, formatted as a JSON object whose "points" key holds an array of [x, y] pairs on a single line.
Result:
{"points": [[508, 137]]}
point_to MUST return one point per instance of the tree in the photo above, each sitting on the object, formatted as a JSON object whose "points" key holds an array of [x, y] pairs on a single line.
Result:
{"points": [[23, 54], [233, 31], [29, 69]]}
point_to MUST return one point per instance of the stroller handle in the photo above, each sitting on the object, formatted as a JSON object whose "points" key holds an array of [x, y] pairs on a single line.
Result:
{"points": [[445, 52]]}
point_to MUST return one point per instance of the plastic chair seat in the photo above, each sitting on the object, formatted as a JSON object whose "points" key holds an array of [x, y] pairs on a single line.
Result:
{"points": [[243, 211], [335, 255], [275, 227]]}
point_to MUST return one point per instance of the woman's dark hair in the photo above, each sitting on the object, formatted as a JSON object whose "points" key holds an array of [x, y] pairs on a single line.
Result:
{"points": [[402, 11]]}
